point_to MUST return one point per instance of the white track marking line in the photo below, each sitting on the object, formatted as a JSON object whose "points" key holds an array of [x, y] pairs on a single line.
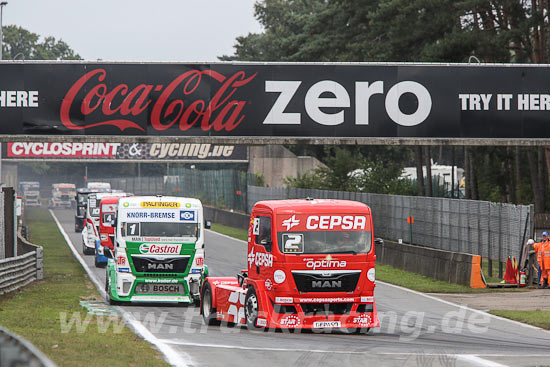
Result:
{"points": [[474, 360], [171, 356], [222, 346], [433, 298]]}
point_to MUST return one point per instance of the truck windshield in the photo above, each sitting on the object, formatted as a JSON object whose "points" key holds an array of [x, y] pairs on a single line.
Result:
{"points": [[160, 229], [325, 242]]}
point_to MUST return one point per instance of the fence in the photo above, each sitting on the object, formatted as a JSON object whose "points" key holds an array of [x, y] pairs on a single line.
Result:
{"points": [[16, 272], [16, 351], [222, 188], [492, 230]]}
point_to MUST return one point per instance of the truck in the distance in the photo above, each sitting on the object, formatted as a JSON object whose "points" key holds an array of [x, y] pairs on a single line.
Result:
{"points": [[310, 265], [63, 195], [159, 251], [30, 190]]}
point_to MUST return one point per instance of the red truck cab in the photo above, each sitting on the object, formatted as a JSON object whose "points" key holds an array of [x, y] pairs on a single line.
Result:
{"points": [[107, 214], [310, 265]]}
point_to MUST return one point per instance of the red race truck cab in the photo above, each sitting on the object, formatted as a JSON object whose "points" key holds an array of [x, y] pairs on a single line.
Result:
{"points": [[310, 265], [107, 214]]}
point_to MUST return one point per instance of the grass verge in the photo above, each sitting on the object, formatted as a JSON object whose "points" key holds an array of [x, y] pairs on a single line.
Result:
{"points": [[536, 318], [389, 274], [40, 312]]}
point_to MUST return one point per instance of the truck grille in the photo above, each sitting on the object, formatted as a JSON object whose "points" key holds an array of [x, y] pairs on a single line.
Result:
{"points": [[326, 281], [175, 265], [311, 309]]}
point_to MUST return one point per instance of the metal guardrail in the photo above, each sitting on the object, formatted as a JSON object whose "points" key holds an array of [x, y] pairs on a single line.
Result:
{"points": [[17, 272], [17, 352]]}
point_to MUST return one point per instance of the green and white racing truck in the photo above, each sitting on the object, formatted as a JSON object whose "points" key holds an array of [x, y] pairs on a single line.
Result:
{"points": [[159, 250]]}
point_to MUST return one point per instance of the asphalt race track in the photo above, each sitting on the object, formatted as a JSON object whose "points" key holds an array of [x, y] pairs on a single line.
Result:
{"points": [[417, 330]]}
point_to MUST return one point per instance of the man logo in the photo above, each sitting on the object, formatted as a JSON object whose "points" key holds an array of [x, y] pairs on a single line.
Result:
{"points": [[326, 284], [153, 266]]}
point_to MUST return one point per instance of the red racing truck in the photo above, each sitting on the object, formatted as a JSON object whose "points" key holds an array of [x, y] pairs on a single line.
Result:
{"points": [[310, 266]]}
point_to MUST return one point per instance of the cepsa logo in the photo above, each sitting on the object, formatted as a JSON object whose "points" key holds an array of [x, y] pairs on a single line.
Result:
{"points": [[147, 248], [260, 259], [343, 222], [160, 204]]}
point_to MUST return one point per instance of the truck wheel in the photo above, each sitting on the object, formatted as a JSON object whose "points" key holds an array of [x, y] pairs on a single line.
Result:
{"points": [[251, 309], [208, 312], [108, 291]]}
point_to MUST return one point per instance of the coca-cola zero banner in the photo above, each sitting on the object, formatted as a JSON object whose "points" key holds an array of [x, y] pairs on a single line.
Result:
{"points": [[190, 152], [275, 100]]}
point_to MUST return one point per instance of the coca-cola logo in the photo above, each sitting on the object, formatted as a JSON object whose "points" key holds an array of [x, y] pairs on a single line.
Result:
{"points": [[179, 102]]}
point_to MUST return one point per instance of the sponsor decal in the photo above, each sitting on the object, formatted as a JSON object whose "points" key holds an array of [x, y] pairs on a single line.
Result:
{"points": [[225, 282], [121, 260], [332, 222], [279, 276], [18, 98], [283, 299], [326, 324], [161, 280], [236, 306], [151, 248], [363, 319], [199, 261], [290, 222], [195, 271], [124, 270], [150, 215], [290, 321], [62, 150], [260, 259], [160, 204], [326, 300], [268, 284], [325, 263], [261, 322], [187, 215], [187, 205], [367, 299], [223, 112]]}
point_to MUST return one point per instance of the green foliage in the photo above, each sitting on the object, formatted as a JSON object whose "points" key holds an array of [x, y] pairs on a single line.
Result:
{"points": [[22, 44], [348, 170]]}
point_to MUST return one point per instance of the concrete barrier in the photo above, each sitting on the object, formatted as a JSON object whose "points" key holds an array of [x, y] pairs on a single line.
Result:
{"points": [[452, 267], [225, 217]]}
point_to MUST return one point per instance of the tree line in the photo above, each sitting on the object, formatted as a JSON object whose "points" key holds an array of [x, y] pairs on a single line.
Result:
{"points": [[498, 31]]}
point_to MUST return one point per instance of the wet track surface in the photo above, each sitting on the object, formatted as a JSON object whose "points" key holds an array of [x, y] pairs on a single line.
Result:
{"points": [[417, 330]]}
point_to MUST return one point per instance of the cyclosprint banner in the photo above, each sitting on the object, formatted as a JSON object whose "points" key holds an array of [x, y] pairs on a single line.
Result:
{"points": [[275, 100], [181, 152]]}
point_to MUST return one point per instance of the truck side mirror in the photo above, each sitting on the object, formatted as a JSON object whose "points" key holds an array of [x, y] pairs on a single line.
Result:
{"points": [[207, 224], [108, 253], [113, 222]]}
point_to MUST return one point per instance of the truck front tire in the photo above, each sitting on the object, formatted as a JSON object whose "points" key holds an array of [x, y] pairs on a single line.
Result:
{"points": [[251, 309], [208, 312]]}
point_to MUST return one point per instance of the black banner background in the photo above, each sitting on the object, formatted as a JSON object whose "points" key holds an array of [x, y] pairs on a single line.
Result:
{"points": [[444, 83]]}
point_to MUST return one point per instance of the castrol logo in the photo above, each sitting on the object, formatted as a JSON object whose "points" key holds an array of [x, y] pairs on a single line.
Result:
{"points": [[151, 248]]}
